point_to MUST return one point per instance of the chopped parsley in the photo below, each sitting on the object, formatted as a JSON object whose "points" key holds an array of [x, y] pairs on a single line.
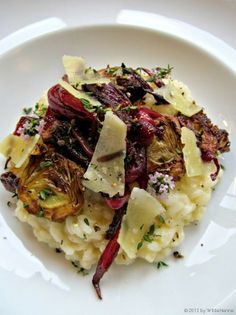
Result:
{"points": [[45, 193], [161, 264], [27, 111]]}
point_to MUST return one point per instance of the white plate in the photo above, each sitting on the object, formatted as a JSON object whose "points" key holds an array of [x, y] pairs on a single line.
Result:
{"points": [[34, 279]]}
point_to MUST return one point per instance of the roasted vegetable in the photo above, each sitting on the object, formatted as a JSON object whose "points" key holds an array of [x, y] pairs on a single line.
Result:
{"points": [[105, 261], [50, 187], [165, 152]]}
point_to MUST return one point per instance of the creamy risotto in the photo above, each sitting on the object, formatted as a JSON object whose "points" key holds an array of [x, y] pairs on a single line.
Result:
{"points": [[112, 164]]}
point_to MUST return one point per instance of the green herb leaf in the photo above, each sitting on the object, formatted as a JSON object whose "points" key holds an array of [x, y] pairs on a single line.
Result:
{"points": [[147, 238], [161, 74], [129, 108], [87, 105], [40, 109], [222, 167], [161, 264], [74, 264], [46, 164], [40, 214], [45, 193], [83, 271], [151, 230], [27, 111], [161, 219], [86, 221], [141, 227], [140, 244]]}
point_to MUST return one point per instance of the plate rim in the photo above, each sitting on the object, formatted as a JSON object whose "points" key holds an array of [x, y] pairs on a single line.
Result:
{"points": [[117, 26]]}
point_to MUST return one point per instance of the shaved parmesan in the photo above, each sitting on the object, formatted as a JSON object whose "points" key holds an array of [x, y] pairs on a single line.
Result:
{"points": [[79, 94], [178, 95], [106, 172], [18, 148], [78, 73], [191, 152], [141, 213]]}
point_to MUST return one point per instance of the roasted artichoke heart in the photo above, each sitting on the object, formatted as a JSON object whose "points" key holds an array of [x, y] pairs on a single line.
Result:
{"points": [[165, 152], [50, 187], [166, 146]]}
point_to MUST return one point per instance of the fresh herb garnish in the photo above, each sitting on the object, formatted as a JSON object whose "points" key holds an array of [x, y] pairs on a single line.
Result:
{"points": [[40, 109], [161, 219], [161, 264], [161, 74], [27, 111], [86, 221], [87, 105], [222, 167], [90, 69], [119, 71], [148, 237], [46, 164], [129, 108], [140, 244], [40, 214], [31, 128], [45, 193]]}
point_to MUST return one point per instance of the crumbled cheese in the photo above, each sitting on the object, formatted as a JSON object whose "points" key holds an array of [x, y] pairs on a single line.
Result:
{"points": [[108, 176]]}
